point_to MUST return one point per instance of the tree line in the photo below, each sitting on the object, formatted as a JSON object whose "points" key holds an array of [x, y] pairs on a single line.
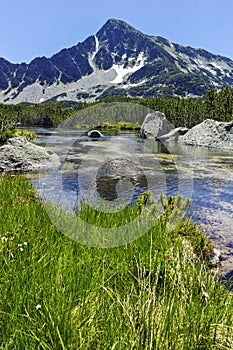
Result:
{"points": [[217, 105], [188, 112]]}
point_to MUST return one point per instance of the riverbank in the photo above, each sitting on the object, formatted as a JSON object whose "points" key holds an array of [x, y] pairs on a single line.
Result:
{"points": [[154, 293]]}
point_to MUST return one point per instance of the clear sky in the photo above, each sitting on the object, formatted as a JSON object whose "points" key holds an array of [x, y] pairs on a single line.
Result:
{"points": [[31, 28]]}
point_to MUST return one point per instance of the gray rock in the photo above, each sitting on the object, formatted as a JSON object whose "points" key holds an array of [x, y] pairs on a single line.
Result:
{"points": [[173, 135], [115, 170], [95, 134], [210, 133], [19, 155], [154, 126]]}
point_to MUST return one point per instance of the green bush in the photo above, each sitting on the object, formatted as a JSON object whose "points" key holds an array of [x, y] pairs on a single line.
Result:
{"points": [[27, 134]]}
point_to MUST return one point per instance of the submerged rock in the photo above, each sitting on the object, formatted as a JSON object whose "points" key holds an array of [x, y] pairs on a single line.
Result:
{"points": [[154, 126], [210, 133], [115, 170], [19, 155]]}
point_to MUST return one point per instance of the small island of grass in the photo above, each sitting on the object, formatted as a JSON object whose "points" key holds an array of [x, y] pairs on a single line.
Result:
{"points": [[119, 126]]}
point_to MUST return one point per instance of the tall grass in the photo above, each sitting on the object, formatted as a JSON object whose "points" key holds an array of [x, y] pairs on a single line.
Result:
{"points": [[154, 293]]}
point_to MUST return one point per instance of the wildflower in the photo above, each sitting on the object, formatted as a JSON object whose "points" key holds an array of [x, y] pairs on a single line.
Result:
{"points": [[205, 296], [4, 239], [38, 307], [25, 243], [21, 249]]}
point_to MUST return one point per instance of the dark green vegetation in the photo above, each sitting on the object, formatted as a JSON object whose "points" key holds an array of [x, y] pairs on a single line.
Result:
{"points": [[181, 111], [154, 293]]}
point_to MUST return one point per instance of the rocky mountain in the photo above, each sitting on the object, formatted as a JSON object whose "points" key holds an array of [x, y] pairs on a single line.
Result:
{"points": [[118, 60]]}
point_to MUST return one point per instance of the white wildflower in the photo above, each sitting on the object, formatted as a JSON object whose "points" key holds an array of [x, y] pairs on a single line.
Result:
{"points": [[205, 296], [4, 239], [38, 307]]}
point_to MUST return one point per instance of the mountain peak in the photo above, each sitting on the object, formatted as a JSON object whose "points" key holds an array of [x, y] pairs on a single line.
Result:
{"points": [[115, 25], [118, 60]]}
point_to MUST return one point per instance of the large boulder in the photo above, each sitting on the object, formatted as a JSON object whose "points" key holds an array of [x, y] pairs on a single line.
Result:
{"points": [[210, 133], [19, 155], [154, 126]]}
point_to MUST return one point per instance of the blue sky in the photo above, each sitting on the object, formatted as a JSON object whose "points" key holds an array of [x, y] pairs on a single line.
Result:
{"points": [[35, 28]]}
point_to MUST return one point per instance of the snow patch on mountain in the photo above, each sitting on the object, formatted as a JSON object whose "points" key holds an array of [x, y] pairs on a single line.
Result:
{"points": [[122, 71], [214, 66], [130, 85]]}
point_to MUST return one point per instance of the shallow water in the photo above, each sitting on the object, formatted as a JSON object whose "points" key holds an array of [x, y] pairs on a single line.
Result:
{"points": [[204, 175]]}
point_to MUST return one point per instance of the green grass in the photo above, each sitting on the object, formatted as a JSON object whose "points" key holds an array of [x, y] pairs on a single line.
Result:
{"points": [[154, 293], [27, 134], [120, 126]]}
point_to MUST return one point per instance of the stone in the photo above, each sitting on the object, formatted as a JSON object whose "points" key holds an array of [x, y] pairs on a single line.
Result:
{"points": [[115, 170], [210, 133], [173, 135], [20, 156], [95, 134], [154, 126]]}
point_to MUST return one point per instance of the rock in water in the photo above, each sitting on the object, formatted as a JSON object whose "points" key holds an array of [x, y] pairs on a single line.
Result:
{"points": [[210, 133], [95, 134], [155, 125], [173, 135], [115, 170], [19, 155]]}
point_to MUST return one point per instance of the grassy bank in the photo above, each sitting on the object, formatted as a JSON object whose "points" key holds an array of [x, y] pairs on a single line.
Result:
{"points": [[57, 294], [119, 126]]}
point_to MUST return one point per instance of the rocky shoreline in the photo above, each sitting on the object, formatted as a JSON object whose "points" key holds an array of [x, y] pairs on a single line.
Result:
{"points": [[210, 133]]}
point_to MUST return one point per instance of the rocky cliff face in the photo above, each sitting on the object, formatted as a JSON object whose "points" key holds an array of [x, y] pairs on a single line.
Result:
{"points": [[118, 60]]}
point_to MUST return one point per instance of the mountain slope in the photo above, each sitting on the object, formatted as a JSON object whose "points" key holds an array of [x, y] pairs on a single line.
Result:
{"points": [[118, 60]]}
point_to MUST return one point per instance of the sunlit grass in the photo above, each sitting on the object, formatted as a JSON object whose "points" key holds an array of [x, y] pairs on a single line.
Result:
{"points": [[120, 126], [27, 134], [154, 293]]}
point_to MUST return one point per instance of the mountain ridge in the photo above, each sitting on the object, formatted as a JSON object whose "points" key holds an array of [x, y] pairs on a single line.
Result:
{"points": [[118, 60]]}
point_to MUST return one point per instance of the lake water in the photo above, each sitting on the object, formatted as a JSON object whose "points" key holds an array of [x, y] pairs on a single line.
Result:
{"points": [[204, 175]]}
